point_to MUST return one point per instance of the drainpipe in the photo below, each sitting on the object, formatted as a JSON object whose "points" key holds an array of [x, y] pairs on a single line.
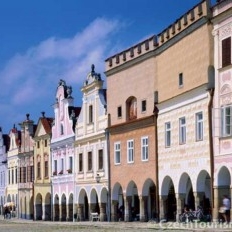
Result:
{"points": [[210, 106], [156, 112], [109, 172]]}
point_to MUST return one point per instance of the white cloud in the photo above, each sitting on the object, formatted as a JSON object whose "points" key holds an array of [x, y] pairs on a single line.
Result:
{"points": [[33, 76]]}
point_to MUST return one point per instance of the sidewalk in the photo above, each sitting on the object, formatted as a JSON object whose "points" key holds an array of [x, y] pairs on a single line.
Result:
{"points": [[141, 226]]}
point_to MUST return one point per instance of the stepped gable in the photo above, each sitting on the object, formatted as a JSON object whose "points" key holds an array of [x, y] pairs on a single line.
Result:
{"points": [[153, 43]]}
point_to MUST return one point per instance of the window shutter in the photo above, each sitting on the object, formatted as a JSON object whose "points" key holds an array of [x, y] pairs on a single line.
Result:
{"points": [[226, 52]]}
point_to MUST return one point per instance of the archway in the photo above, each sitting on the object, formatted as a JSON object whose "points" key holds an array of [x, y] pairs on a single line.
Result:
{"points": [[70, 207], [38, 207], [56, 212], [63, 208], [118, 206], [47, 207], [168, 206], [83, 206]]}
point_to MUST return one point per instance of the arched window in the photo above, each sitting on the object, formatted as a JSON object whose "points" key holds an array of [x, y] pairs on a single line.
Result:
{"points": [[131, 105]]}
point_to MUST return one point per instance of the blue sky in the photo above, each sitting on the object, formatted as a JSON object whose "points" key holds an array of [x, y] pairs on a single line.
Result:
{"points": [[44, 41]]}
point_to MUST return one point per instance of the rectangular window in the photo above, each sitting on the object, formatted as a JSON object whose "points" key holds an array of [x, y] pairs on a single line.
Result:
{"points": [[199, 126], [16, 175], [226, 121], [90, 114], [46, 169], [167, 134], [38, 170], [55, 168], [144, 105], [117, 153], [130, 151], [89, 161], [38, 144], [119, 112], [181, 81], [9, 176], [144, 148], [80, 162], [100, 159], [62, 166], [30, 173], [226, 52], [70, 164], [45, 143], [182, 130]]}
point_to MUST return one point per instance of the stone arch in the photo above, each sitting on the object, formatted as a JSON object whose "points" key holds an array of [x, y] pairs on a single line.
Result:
{"points": [[83, 206], [70, 207], [47, 207], [63, 207], [38, 207], [56, 208]]}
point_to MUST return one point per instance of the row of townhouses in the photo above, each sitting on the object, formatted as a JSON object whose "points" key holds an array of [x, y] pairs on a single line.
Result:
{"points": [[158, 139]]}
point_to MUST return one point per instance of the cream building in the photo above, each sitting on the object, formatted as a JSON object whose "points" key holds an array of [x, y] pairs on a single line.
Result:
{"points": [[185, 83], [42, 169], [91, 183]]}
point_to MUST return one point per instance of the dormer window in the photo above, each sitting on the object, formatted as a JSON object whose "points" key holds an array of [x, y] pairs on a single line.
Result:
{"points": [[131, 104], [90, 114]]}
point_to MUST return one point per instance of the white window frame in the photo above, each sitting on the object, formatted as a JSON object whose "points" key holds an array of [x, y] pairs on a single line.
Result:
{"points": [[182, 130], [130, 151], [117, 152], [226, 121], [199, 126], [144, 148], [167, 134]]}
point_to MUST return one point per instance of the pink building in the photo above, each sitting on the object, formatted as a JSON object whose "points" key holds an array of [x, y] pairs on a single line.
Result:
{"points": [[222, 127], [62, 153]]}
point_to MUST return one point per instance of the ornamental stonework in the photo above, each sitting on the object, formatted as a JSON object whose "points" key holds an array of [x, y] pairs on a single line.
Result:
{"points": [[225, 31]]}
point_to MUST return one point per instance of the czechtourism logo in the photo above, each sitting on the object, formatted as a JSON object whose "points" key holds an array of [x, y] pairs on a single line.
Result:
{"points": [[163, 224]]}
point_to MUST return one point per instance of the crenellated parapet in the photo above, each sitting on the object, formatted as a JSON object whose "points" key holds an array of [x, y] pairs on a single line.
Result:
{"points": [[153, 43]]}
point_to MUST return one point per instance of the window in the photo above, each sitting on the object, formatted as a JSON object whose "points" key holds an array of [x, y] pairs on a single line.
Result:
{"points": [[131, 108], [38, 170], [61, 129], [62, 166], [117, 153], [226, 121], [55, 168], [30, 173], [16, 176], [181, 81], [12, 173], [144, 148], [167, 134], [9, 176], [144, 105], [100, 159], [38, 144], [119, 112], [199, 126], [182, 130], [226, 52], [89, 161], [45, 143], [22, 175], [90, 114], [46, 169], [70, 163], [130, 151], [80, 162]]}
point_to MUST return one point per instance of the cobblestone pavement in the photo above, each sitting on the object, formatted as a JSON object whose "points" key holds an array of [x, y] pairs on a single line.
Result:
{"points": [[21, 225]]}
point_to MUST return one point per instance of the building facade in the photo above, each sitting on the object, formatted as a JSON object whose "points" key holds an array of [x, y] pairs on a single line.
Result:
{"points": [[222, 117], [4, 147], [26, 169], [12, 163], [42, 169], [91, 190], [62, 153], [133, 133]]}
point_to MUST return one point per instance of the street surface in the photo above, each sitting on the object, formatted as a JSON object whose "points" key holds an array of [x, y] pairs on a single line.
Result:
{"points": [[21, 225]]}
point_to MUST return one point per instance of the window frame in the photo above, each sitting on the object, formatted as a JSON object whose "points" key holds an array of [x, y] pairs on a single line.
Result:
{"points": [[182, 130], [199, 126], [144, 148], [167, 134], [130, 151], [226, 121], [117, 152]]}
